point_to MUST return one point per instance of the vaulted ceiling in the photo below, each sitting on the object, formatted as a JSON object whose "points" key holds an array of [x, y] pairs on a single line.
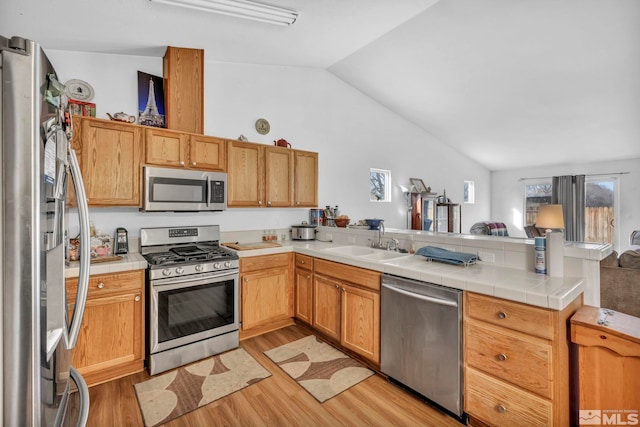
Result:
{"points": [[510, 83]]}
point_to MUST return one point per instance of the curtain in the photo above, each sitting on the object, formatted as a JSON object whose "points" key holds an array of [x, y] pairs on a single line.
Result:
{"points": [[569, 191]]}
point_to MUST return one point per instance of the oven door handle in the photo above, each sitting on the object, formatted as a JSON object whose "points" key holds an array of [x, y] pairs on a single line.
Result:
{"points": [[159, 286]]}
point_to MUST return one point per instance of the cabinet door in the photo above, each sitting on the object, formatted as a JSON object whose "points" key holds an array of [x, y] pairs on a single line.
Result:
{"points": [[326, 305], [165, 148], [111, 340], [207, 152], [266, 296], [278, 177], [303, 307], [361, 322], [245, 169], [306, 179], [183, 72], [109, 156]]}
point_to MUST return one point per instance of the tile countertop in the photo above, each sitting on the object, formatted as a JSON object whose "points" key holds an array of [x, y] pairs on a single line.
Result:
{"points": [[130, 261], [502, 282]]}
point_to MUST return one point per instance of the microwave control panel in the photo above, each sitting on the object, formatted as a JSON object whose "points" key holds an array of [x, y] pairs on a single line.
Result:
{"points": [[217, 191]]}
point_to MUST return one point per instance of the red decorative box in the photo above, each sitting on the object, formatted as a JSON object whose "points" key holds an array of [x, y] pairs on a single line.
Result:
{"points": [[80, 108]]}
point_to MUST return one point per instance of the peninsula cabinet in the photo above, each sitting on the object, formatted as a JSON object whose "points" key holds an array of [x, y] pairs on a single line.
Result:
{"points": [[109, 154], [516, 362], [346, 307], [303, 282], [266, 293], [184, 150], [111, 340], [266, 176]]}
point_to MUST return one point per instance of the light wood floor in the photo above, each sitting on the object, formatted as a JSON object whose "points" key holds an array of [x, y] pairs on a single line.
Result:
{"points": [[276, 401]]}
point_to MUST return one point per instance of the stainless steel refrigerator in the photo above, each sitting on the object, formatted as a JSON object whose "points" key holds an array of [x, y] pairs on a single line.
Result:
{"points": [[39, 330]]}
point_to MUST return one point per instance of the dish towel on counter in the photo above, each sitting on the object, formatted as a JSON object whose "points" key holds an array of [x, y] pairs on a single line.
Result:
{"points": [[444, 255]]}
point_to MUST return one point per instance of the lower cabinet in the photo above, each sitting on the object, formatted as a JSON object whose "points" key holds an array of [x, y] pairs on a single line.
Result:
{"points": [[266, 293], [517, 368], [303, 292], [111, 340], [346, 306]]}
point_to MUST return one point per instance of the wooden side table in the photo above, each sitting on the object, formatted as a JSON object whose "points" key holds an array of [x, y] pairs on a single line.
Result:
{"points": [[608, 366]]}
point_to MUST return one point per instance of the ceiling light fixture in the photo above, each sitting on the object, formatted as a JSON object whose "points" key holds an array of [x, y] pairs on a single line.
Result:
{"points": [[246, 9]]}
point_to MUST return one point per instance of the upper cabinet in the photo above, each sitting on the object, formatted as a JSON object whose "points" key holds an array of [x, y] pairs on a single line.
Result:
{"points": [[184, 89], [266, 176], [109, 154], [178, 149]]}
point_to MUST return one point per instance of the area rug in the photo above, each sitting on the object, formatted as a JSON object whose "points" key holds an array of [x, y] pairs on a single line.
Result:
{"points": [[319, 368], [182, 390]]}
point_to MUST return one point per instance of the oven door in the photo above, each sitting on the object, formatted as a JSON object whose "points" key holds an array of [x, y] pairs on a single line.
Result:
{"points": [[189, 310]]}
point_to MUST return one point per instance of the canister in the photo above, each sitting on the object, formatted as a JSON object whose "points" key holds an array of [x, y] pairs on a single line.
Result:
{"points": [[540, 247], [316, 217]]}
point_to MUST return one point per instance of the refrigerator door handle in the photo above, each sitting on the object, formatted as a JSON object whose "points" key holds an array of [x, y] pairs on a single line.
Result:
{"points": [[83, 394], [85, 252]]}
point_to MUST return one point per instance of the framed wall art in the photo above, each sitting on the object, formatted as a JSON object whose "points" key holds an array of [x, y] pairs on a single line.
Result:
{"points": [[151, 100]]}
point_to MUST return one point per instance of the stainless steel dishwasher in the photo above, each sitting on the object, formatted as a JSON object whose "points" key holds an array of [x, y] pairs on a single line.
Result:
{"points": [[421, 340]]}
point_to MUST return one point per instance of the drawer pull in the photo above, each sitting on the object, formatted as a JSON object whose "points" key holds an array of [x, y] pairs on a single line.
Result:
{"points": [[502, 409], [301, 261], [502, 315], [502, 357], [100, 285], [308, 276], [137, 298]]}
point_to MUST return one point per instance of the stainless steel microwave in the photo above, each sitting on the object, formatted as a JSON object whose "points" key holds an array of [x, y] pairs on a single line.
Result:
{"points": [[183, 190]]}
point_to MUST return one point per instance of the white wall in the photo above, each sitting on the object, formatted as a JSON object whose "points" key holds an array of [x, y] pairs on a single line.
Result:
{"points": [[314, 111], [507, 199]]}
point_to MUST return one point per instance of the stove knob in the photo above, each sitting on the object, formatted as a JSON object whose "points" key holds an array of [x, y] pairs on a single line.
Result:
{"points": [[179, 270], [166, 272], [216, 265], [199, 267], [227, 264]]}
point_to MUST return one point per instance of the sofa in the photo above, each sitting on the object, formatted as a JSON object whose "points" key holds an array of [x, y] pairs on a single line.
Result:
{"points": [[620, 282]]}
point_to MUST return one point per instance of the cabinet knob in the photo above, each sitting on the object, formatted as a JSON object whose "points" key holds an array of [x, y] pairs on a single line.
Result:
{"points": [[337, 287], [308, 276], [246, 279], [502, 357], [137, 298], [269, 203], [260, 202], [297, 203], [193, 163], [182, 163], [301, 261], [502, 315], [502, 409], [100, 285]]}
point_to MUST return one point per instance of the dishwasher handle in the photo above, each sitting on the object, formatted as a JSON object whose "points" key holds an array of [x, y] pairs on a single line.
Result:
{"points": [[439, 301]]}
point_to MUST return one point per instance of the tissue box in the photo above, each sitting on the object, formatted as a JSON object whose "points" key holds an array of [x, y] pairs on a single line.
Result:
{"points": [[101, 245]]}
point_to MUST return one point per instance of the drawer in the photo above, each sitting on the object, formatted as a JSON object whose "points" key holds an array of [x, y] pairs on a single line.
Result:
{"points": [[108, 284], [518, 358], [304, 261], [264, 262], [520, 317], [359, 276], [500, 404]]}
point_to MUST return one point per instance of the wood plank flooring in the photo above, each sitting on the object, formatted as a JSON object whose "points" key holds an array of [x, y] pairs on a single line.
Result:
{"points": [[276, 401]]}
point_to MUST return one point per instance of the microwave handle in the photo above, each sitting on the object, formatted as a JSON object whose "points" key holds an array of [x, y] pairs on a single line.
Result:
{"points": [[208, 190]]}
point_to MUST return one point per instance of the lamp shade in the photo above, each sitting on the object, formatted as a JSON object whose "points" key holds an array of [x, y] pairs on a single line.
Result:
{"points": [[550, 216]]}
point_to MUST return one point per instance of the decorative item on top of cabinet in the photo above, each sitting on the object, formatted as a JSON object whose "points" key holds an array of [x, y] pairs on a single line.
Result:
{"points": [[111, 341], [517, 368], [185, 150], [109, 154], [346, 307], [183, 72], [266, 293]]}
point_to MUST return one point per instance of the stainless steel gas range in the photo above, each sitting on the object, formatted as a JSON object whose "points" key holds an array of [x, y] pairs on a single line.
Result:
{"points": [[192, 295]]}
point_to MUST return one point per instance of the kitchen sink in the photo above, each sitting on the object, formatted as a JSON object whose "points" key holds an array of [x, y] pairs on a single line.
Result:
{"points": [[352, 250], [367, 253]]}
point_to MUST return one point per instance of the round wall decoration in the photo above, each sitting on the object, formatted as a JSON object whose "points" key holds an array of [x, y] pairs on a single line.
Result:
{"points": [[79, 90], [262, 126]]}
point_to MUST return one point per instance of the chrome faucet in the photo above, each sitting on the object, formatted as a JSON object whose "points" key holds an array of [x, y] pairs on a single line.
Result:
{"points": [[380, 233]]}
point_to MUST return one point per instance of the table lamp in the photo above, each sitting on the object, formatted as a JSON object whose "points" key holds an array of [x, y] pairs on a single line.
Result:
{"points": [[551, 219], [407, 190]]}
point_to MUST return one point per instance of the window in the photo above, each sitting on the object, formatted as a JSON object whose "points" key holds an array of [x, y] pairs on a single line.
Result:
{"points": [[536, 193], [380, 185], [469, 192]]}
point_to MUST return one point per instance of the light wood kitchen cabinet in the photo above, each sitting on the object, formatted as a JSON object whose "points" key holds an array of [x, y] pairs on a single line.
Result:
{"points": [[266, 176], [109, 154], [266, 293], [305, 166], [346, 306], [184, 150], [111, 340], [183, 72], [303, 282], [516, 362]]}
